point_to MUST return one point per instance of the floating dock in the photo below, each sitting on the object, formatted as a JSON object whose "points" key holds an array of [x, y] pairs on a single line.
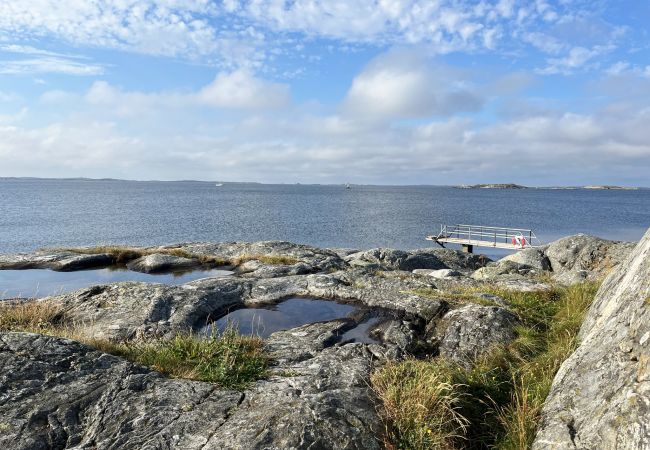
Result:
{"points": [[470, 236]]}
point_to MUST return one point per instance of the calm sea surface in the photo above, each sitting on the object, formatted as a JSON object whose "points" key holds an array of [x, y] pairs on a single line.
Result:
{"points": [[42, 213]]}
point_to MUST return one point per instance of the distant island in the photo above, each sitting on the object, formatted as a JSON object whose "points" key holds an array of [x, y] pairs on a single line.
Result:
{"points": [[492, 186], [610, 187], [519, 186]]}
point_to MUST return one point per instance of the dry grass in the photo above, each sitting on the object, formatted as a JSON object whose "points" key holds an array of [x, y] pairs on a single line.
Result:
{"points": [[30, 316], [227, 359], [266, 259], [124, 254], [499, 399], [420, 405]]}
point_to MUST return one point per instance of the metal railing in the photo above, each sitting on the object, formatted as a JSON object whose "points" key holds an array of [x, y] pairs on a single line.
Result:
{"points": [[478, 234]]}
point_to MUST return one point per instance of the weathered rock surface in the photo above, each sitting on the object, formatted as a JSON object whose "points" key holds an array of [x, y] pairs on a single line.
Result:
{"points": [[60, 394], [580, 257], [569, 260], [317, 258], [158, 262], [433, 259], [56, 393], [464, 333], [529, 257], [133, 309], [600, 398], [59, 261]]}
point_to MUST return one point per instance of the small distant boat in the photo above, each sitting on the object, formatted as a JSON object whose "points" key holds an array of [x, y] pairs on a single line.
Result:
{"points": [[347, 186], [219, 184]]}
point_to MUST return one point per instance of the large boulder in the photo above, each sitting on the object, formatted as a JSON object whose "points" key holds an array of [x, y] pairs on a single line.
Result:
{"points": [[580, 257], [600, 398], [464, 333]]}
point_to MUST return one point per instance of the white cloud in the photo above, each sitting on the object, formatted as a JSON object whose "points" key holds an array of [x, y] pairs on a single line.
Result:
{"points": [[166, 27], [577, 58], [300, 146], [545, 42], [235, 33], [622, 68], [240, 89], [402, 84], [29, 50], [49, 64], [229, 90]]}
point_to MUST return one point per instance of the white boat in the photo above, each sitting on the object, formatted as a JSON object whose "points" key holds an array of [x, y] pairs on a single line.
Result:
{"points": [[219, 184], [347, 185]]}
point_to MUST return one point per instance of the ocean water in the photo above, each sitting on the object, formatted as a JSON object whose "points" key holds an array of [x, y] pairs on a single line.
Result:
{"points": [[45, 213], [39, 283]]}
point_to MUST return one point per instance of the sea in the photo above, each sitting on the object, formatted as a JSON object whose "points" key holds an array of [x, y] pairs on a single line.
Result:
{"points": [[41, 213]]}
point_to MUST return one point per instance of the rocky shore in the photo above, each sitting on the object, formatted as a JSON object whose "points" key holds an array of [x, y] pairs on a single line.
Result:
{"points": [[58, 393]]}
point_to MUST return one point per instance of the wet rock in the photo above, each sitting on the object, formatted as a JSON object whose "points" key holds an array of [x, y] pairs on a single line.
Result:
{"points": [[301, 343], [58, 393], [158, 263], [464, 333], [59, 261], [601, 395]]}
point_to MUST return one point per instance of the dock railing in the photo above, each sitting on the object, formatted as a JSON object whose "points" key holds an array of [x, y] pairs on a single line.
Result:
{"points": [[482, 236]]}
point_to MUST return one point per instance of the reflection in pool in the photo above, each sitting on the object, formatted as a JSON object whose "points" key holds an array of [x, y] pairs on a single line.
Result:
{"points": [[291, 313], [42, 282]]}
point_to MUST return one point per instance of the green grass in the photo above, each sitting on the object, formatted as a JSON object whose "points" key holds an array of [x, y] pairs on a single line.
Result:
{"points": [[421, 404], [499, 399], [227, 359]]}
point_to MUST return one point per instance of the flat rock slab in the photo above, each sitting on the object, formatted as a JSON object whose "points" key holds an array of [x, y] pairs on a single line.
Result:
{"points": [[56, 393]]}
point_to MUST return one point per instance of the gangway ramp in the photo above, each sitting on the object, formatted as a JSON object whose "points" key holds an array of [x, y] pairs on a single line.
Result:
{"points": [[470, 236]]}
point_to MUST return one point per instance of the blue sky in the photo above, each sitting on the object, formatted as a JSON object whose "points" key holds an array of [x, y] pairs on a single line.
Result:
{"points": [[388, 91]]}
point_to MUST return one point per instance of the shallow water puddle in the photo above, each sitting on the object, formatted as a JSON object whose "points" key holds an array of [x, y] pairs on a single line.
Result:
{"points": [[292, 313], [43, 282]]}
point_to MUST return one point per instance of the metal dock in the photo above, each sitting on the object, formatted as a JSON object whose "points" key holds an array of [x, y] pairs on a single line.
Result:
{"points": [[470, 236]]}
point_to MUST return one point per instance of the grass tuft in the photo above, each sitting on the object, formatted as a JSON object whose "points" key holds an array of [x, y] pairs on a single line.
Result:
{"points": [[29, 316], [421, 405], [228, 359], [498, 401]]}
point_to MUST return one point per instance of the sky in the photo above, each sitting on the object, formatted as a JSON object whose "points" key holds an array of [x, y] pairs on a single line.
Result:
{"points": [[408, 92]]}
